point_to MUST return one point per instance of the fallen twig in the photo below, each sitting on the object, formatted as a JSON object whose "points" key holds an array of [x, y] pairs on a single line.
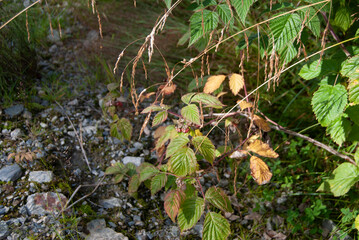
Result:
{"points": [[77, 136]]}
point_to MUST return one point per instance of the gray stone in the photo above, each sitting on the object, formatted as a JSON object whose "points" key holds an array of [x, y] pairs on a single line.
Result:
{"points": [[4, 230], [27, 114], [73, 102], [138, 145], [198, 228], [43, 125], [41, 176], [99, 231], [15, 133], [45, 203], [15, 110], [53, 36], [10, 173], [135, 160], [111, 202]]}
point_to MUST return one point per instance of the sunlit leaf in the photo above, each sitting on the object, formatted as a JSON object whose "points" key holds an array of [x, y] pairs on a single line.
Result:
{"points": [[213, 83], [172, 203], [218, 198], [177, 143], [262, 149], [207, 100], [236, 83], [350, 68], [205, 147], [183, 162], [155, 108], [356, 222], [190, 212], [343, 19], [328, 103], [215, 227], [242, 7], [148, 172], [158, 182], [126, 128], [261, 123], [312, 20], [339, 130], [169, 133], [319, 68], [285, 29], [244, 104], [202, 22], [354, 91], [259, 170], [225, 14], [191, 114], [159, 118], [344, 177]]}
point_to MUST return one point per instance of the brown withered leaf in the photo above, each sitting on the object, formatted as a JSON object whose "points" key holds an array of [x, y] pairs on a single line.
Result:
{"points": [[262, 149], [159, 131], [259, 170], [146, 96], [261, 123], [213, 83], [236, 83], [244, 104], [221, 94], [167, 90]]}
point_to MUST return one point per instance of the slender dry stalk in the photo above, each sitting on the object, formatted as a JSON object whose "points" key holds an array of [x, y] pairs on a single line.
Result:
{"points": [[27, 27]]}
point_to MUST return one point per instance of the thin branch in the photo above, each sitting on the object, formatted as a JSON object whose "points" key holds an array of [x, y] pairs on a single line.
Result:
{"points": [[19, 13], [77, 136], [335, 36], [277, 127]]}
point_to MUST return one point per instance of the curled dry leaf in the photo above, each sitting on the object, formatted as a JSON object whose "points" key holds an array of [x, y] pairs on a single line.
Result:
{"points": [[259, 170], [213, 83], [167, 89], [262, 149], [261, 123], [239, 154], [244, 104], [236, 83], [146, 96], [221, 94]]}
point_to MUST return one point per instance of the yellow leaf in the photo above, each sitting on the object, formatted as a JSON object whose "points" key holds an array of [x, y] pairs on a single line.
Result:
{"points": [[357, 222], [262, 149], [259, 170], [261, 123], [221, 94], [213, 83], [198, 132], [236, 83], [244, 104]]}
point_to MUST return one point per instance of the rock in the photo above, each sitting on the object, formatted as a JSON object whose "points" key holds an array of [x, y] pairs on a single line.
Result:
{"points": [[4, 230], [135, 160], [73, 102], [41, 176], [27, 114], [89, 130], [198, 228], [141, 235], [13, 111], [10, 173], [111, 202], [91, 38], [99, 231], [138, 145], [15, 134], [43, 125], [45, 203], [53, 48]]}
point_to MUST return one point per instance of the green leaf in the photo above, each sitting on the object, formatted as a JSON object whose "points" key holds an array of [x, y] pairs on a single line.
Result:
{"points": [[207, 100], [354, 92], [125, 127], [225, 14], [159, 118], [319, 69], [131, 169], [158, 182], [339, 130], [353, 113], [328, 103], [205, 147], [202, 22], [191, 114], [312, 20], [177, 143], [170, 133], [112, 86], [288, 53], [356, 156], [183, 162], [342, 19], [187, 98], [344, 177], [171, 182], [118, 167], [114, 131], [155, 108], [172, 203], [168, 3], [350, 68], [354, 134], [190, 212], [285, 29], [215, 227], [356, 222], [133, 184], [118, 178], [219, 199], [242, 7], [148, 172]]}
